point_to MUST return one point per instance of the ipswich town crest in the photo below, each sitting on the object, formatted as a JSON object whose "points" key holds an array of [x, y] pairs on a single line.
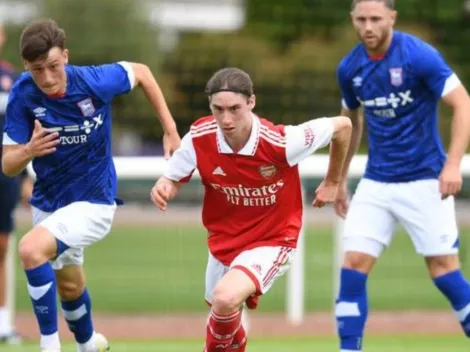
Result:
{"points": [[87, 108], [396, 76]]}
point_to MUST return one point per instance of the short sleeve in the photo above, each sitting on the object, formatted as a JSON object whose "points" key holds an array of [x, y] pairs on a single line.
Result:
{"points": [[303, 140], [348, 98], [18, 124], [110, 80], [183, 161], [431, 67]]}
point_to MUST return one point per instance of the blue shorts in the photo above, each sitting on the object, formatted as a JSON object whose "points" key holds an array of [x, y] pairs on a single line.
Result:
{"points": [[9, 195]]}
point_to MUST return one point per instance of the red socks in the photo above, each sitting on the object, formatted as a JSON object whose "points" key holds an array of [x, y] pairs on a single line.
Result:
{"points": [[223, 330]]}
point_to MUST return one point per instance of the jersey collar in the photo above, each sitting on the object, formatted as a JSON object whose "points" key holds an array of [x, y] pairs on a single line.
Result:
{"points": [[250, 147]]}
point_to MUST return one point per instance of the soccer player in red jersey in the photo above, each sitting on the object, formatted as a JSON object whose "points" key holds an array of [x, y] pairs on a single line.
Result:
{"points": [[253, 203]]}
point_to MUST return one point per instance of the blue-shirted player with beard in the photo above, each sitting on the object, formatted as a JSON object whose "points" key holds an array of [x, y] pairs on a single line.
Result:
{"points": [[399, 80], [58, 116]]}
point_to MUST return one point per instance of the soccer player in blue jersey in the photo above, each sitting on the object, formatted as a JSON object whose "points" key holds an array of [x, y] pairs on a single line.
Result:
{"points": [[58, 116], [398, 80]]}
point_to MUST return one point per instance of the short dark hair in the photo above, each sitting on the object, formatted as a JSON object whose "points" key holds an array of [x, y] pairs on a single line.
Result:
{"points": [[39, 37], [230, 79], [388, 3]]}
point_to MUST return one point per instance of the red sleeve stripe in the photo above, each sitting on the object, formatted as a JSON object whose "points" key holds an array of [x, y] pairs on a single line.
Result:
{"points": [[203, 126], [203, 133], [271, 140], [274, 134]]}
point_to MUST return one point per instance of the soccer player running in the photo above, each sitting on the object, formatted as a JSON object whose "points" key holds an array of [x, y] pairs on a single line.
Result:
{"points": [[399, 80], [59, 117], [252, 205]]}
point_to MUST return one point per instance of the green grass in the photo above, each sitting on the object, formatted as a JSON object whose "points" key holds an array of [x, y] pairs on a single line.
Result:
{"points": [[162, 270], [376, 344]]}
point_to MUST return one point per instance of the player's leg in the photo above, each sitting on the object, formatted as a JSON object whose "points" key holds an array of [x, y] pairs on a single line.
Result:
{"points": [[368, 230], [87, 223], [59, 237], [76, 305], [225, 320], [215, 271], [251, 274], [432, 225], [8, 199], [36, 248]]}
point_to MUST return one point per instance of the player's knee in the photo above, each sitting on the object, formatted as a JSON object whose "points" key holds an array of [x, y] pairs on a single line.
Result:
{"points": [[441, 265], [69, 290], [358, 261], [225, 300], [35, 250], [28, 253]]}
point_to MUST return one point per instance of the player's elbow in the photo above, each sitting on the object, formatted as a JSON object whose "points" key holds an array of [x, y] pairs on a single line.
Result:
{"points": [[7, 169], [141, 73], [342, 127]]}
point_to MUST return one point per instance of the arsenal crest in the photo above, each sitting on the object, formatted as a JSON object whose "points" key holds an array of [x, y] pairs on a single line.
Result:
{"points": [[267, 171], [396, 76]]}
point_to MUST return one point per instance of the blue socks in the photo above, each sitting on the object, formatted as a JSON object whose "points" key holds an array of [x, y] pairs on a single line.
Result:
{"points": [[457, 290], [351, 309], [78, 316], [42, 290]]}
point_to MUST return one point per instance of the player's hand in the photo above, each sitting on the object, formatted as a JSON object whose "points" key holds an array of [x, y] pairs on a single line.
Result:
{"points": [[171, 142], [325, 193], [342, 200], [42, 141], [163, 191], [450, 180]]}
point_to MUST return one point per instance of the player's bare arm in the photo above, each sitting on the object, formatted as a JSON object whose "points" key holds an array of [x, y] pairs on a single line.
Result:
{"points": [[357, 121], [164, 191], [327, 191], [15, 158], [450, 180], [145, 79]]}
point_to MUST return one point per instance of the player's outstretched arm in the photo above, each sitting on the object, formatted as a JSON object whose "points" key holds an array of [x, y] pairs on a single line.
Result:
{"points": [[357, 120], [450, 180], [342, 129], [180, 169], [327, 191], [15, 158], [164, 191], [145, 79]]}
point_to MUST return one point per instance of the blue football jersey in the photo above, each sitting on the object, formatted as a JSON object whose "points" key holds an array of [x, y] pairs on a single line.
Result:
{"points": [[82, 167], [399, 93]]}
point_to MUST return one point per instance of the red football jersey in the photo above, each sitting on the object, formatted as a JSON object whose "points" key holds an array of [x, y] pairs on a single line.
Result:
{"points": [[253, 197]]}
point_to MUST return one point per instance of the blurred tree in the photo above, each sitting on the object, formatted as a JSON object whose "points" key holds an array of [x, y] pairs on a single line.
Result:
{"points": [[283, 22]]}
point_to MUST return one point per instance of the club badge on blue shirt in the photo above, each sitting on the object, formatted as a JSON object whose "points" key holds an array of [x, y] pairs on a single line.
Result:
{"points": [[87, 108]]}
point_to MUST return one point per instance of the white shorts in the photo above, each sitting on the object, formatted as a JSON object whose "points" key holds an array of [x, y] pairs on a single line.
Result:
{"points": [[263, 265], [78, 225], [377, 207]]}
